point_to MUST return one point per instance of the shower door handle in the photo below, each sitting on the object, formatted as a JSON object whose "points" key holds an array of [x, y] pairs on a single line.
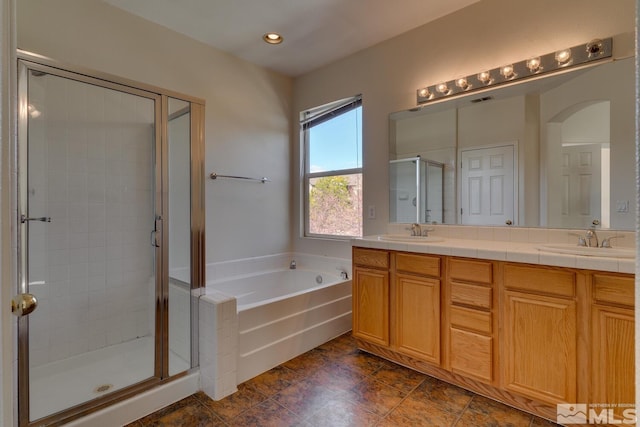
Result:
{"points": [[23, 304], [24, 218], [154, 240], [154, 232]]}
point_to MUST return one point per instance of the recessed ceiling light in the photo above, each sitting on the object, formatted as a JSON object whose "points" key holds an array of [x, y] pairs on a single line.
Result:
{"points": [[272, 38]]}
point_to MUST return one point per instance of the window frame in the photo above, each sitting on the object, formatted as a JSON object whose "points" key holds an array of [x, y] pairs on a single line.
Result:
{"points": [[308, 119]]}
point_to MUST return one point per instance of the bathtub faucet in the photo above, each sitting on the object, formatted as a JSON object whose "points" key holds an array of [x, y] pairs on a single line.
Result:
{"points": [[343, 274], [292, 264]]}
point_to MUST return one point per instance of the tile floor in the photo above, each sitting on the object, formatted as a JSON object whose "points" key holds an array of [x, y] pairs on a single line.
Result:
{"points": [[338, 385]]}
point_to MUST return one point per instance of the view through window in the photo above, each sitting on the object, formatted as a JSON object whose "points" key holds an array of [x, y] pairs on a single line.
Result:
{"points": [[333, 169]]}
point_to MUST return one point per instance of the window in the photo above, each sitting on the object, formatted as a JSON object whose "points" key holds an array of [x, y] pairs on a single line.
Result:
{"points": [[332, 136]]}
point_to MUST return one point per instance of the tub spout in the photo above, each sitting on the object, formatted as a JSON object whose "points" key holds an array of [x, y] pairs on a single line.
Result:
{"points": [[292, 264], [343, 274]]}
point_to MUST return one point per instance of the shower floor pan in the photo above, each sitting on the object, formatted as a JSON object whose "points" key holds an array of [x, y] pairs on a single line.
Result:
{"points": [[62, 384]]}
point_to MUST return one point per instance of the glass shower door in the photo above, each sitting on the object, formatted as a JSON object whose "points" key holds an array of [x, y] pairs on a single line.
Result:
{"points": [[406, 178], [87, 229]]}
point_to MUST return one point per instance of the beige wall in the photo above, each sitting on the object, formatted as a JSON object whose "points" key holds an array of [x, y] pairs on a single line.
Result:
{"points": [[247, 110], [482, 36]]}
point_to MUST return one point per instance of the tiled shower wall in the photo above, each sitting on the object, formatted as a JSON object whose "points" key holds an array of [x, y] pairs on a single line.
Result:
{"points": [[91, 170]]}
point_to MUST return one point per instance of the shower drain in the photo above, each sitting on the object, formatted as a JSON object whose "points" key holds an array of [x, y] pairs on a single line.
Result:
{"points": [[102, 388]]}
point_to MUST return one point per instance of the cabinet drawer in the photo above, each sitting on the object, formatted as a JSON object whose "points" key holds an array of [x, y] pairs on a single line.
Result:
{"points": [[473, 295], [475, 320], [471, 271], [420, 264], [540, 279], [371, 257], [614, 289], [471, 355]]}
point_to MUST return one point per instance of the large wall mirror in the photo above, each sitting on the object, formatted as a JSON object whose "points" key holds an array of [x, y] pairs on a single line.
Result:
{"points": [[555, 152]]}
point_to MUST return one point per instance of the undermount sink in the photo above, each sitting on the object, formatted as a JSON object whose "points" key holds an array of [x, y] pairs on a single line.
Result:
{"points": [[571, 249], [412, 239]]}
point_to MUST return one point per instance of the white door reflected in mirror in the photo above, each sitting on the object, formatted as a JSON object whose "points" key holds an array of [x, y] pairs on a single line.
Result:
{"points": [[579, 139], [487, 185]]}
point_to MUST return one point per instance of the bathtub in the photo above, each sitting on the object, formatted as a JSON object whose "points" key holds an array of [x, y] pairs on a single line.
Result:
{"points": [[280, 313]]}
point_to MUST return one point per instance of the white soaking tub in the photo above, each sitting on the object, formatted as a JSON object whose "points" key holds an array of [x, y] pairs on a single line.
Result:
{"points": [[283, 313]]}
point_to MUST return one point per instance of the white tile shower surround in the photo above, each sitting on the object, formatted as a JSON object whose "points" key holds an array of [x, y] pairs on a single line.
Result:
{"points": [[91, 268], [510, 244], [65, 383]]}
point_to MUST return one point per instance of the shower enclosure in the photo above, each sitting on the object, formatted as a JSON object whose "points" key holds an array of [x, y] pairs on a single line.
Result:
{"points": [[110, 229], [417, 190]]}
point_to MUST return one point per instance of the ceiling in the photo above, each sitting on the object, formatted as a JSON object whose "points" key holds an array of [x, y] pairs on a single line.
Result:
{"points": [[316, 32]]}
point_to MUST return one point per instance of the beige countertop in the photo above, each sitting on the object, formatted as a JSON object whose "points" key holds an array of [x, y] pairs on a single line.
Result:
{"points": [[513, 251]]}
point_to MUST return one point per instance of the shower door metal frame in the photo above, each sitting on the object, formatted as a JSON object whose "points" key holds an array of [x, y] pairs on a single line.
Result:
{"points": [[28, 61]]}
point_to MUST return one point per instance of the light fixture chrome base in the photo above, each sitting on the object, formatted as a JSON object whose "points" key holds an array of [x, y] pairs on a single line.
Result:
{"points": [[595, 50]]}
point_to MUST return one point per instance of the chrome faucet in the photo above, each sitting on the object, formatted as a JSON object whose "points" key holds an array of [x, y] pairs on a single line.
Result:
{"points": [[590, 236], [343, 273], [292, 264], [416, 229], [606, 242]]}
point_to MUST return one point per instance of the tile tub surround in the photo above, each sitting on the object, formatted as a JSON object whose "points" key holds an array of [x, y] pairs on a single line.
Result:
{"points": [[218, 344], [509, 244], [250, 266], [336, 384]]}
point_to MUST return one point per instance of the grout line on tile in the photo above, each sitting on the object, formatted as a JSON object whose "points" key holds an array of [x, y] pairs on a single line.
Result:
{"points": [[463, 411]]}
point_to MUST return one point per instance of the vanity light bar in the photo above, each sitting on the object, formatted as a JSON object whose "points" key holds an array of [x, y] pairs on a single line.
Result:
{"points": [[595, 50]]}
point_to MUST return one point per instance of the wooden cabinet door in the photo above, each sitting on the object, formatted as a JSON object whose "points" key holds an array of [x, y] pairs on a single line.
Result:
{"points": [[418, 317], [371, 305], [471, 354], [539, 347], [613, 350]]}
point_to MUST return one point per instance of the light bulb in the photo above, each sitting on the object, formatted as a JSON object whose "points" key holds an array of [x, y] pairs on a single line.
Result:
{"points": [[563, 56], [272, 38], [507, 71], [533, 64], [442, 88], [424, 93], [462, 83], [484, 77]]}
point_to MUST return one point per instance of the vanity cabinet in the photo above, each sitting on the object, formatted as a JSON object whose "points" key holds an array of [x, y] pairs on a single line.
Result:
{"points": [[531, 336], [471, 317], [371, 295], [539, 344], [416, 312], [396, 302], [613, 341]]}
